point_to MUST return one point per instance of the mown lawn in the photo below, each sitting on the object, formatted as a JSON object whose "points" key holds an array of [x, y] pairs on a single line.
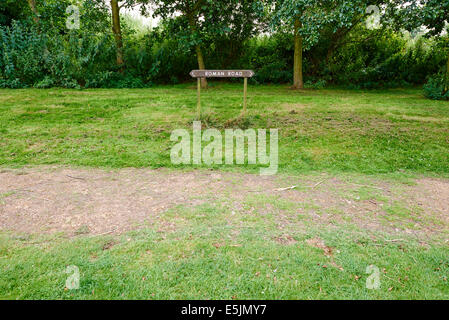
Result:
{"points": [[206, 261], [332, 130], [396, 134]]}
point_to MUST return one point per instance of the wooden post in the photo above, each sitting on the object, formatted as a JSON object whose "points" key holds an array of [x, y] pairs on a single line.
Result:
{"points": [[245, 90], [198, 106]]}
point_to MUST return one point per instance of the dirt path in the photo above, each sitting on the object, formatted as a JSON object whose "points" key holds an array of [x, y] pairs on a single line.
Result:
{"points": [[94, 201]]}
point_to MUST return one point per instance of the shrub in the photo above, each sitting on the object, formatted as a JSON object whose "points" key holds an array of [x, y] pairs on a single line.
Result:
{"points": [[270, 58], [436, 87], [53, 56], [109, 79], [320, 84], [12, 84], [22, 54], [47, 82], [386, 60]]}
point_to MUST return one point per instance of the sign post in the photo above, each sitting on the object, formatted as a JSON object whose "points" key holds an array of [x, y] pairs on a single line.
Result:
{"points": [[245, 90], [198, 105], [222, 74]]}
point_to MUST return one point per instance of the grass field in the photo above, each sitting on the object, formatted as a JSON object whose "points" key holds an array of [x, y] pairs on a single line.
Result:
{"points": [[146, 265], [358, 131], [360, 160]]}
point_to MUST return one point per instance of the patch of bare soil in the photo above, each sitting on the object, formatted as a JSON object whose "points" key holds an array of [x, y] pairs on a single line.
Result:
{"points": [[94, 201], [433, 198], [285, 240], [327, 251]]}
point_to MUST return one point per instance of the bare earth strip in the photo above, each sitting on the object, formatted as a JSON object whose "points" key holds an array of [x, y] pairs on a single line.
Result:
{"points": [[50, 200]]}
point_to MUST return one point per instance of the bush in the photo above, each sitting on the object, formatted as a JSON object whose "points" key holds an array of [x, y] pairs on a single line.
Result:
{"points": [[11, 83], [47, 82], [29, 57], [270, 58], [436, 87], [53, 56], [320, 84], [22, 54], [109, 79], [386, 60]]}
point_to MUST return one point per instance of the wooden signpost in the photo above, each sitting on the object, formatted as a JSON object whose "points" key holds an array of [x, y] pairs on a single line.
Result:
{"points": [[222, 74]]}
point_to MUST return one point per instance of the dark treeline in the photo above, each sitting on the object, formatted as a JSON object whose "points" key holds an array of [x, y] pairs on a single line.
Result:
{"points": [[303, 42]]}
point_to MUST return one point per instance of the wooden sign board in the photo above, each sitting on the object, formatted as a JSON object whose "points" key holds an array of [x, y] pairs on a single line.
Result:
{"points": [[222, 73]]}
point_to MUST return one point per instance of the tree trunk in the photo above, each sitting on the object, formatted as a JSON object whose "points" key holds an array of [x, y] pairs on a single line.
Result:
{"points": [[298, 82], [447, 76], [117, 30], [201, 65], [199, 53], [32, 4]]}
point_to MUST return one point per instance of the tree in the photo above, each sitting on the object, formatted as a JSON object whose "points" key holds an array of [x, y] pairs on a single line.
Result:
{"points": [[240, 21], [116, 6], [33, 8], [309, 19], [204, 19], [433, 15], [191, 11], [51, 14], [305, 17], [350, 15], [12, 10], [117, 30]]}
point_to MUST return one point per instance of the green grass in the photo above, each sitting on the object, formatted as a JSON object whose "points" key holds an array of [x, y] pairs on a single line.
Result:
{"points": [[212, 254], [201, 263], [331, 130]]}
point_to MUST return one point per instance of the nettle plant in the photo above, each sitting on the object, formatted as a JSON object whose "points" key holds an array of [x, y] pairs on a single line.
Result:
{"points": [[21, 54]]}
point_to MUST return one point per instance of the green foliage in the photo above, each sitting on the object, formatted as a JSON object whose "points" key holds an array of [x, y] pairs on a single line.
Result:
{"points": [[320, 84], [271, 58], [220, 20], [436, 87], [111, 79], [310, 14], [22, 53], [45, 83], [11, 83], [31, 58], [316, 16], [11, 10], [374, 59], [412, 15], [41, 59], [340, 50]]}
